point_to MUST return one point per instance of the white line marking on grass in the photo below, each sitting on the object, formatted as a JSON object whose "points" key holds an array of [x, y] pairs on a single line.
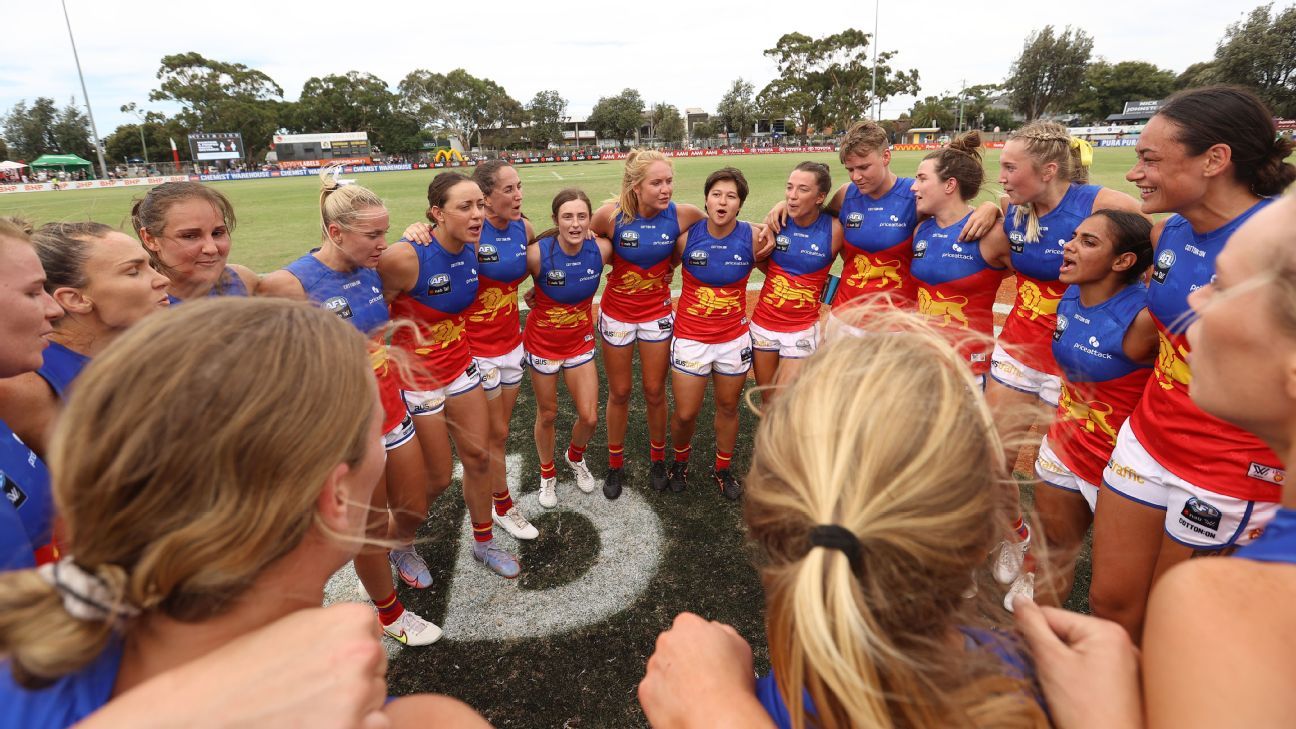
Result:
{"points": [[555, 174], [484, 606]]}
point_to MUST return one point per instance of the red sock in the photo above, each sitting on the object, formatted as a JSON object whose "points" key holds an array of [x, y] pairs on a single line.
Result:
{"points": [[657, 451], [575, 453], [483, 532], [389, 610], [616, 459], [503, 502], [1021, 529], [722, 460], [682, 454], [547, 470]]}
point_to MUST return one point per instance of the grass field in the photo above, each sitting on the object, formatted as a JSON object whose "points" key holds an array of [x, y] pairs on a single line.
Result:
{"points": [[565, 645]]}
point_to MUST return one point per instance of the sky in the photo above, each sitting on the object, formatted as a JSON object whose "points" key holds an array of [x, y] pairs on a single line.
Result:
{"points": [[685, 54]]}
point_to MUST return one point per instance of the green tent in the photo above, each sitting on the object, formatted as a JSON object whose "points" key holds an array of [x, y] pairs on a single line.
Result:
{"points": [[62, 162]]}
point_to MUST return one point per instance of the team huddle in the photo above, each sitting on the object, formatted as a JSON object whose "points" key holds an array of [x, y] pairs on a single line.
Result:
{"points": [[1093, 358]]}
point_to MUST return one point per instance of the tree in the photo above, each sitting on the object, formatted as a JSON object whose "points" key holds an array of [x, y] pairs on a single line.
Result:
{"points": [[703, 130], [216, 96], [736, 111], [1108, 86], [458, 103], [1199, 74], [617, 117], [1260, 52], [935, 111], [355, 102], [1050, 71], [827, 82], [667, 123], [547, 112], [4, 150], [43, 128]]}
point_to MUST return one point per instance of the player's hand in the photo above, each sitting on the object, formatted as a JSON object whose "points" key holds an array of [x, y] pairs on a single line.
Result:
{"points": [[776, 218], [1087, 667], [700, 675], [418, 233], [529, 297], [333, 676], [982, 221], [764, 244]]}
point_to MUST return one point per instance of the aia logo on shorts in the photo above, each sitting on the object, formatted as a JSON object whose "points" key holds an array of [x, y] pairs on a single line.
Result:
{"points": [[1060, 329], [854, 220], [338, 305], [920, 249], [1017, 241], [629, 239], [439, 284], [1163, 264], [13, 493], [487, 253], [1201, 513], [556, 278], [697, 258], [1266, 473]]}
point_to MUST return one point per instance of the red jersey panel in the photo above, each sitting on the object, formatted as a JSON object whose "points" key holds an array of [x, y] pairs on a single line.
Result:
{"points": [[884, 273], [444, 352], [1089, 416], [1028, 331], [494, 322]]}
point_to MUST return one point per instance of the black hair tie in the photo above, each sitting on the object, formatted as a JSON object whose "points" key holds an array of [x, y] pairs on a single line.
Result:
{"points": [[834, 536]]}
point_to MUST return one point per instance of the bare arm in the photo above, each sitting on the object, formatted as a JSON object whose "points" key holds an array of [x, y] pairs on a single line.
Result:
{"points": [[687, 214], [1141, 339], [282, 284], [30, 408], [602, 223], [249, 277], [985, 218], [420, 233], [838, 238], [605, 249], [399, 270], [530, 231], [680, 244], [995, 248], [1109, 199]]}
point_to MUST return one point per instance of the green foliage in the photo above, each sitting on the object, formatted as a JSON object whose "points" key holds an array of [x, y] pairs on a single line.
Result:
{"points": [[1108, 86], [667, 123], [736, 112], [935, 112], [1050, 71], [546, 111], [1260, 52], [1202, 73], [354, 102], [703, 130], [458, 103], [216, 96], [4, 150], [43, 128], [826, 82], [618, 117]]}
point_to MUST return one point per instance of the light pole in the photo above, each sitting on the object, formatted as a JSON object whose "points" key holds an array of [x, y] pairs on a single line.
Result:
{"points": [[103, 168], [134, 111], [877, 107]]}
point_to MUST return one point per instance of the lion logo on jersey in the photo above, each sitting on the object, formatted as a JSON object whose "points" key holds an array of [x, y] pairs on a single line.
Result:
{"points": [[1171, 364], [443, 334], [1034, 302], [562, 317], [633, 283], [1092, 413], [779, 290], [948, 308], [494, 302], [880, 274], [709, 303]]}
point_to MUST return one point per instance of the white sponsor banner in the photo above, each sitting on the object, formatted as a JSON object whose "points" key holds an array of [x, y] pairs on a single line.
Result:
{"points": [[89, 184]]}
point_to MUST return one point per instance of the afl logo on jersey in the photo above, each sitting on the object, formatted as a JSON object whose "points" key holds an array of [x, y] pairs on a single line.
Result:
{"points": [[439, 284], [629, 239], [1062, 324], [1017, 241], [556, 278], [338, 305], [1163, 264], [920, 249], [487, 253], [697, 258], [854, 220], [782, 243]]}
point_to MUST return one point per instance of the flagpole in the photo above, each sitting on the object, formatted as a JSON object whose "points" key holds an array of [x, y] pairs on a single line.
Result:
{"points": [[94, 131]]}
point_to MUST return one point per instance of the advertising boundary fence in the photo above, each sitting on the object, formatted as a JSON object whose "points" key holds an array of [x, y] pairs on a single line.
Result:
{"points": [[361, 169]]}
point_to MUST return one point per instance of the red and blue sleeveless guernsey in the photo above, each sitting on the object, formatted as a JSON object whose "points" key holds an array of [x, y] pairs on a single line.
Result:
{"points": [[1028, 330], [1100, 385], [561, 324], [638, 287], [229, 284], [438, 305], [61, 367], [1199, 448], [879, 245], [356, 297], [713, 303], [26, 484], [494, 322], [956, 289], [794, 279], [68, 699]]}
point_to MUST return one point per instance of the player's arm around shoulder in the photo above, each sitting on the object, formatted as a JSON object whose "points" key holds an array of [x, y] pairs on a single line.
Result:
{"points": [[399, 269], [680, 244], [530, 231], [995, 249], [249, 277], [687, 214], [29, 407], [1219, 648], [834, 205], [282, 284], [602, 223], [605, 249], [838, 236], [1109, 199]]}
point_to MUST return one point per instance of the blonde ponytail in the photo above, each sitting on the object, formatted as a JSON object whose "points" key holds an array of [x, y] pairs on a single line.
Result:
{"points": [[343, 205]]}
